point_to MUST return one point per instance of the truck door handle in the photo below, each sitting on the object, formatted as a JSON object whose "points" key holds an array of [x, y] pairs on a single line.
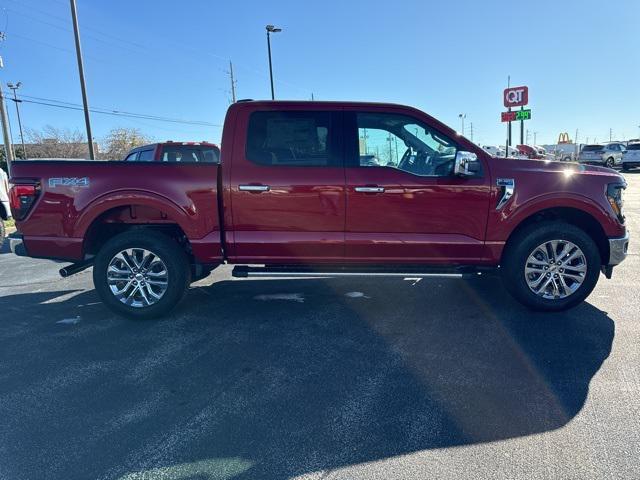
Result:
{"points": [[369, 189], [253, 188]]}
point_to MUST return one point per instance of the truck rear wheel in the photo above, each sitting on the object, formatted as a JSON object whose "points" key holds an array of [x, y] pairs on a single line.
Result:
{"points": [[141, 274], [551, 266]]}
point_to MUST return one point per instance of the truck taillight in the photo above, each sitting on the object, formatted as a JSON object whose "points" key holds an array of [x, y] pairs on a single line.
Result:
{"points": [[21, 199]]}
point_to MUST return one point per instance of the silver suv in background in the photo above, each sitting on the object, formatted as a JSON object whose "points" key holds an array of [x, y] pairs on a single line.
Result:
{"points": [[631, 156], [609, 155]]}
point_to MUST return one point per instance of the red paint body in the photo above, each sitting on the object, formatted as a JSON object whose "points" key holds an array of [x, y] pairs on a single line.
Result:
{"points": [[310, 214]]}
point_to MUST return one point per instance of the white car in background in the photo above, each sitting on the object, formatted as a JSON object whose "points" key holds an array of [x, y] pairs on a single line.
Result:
{"points": [[631, 156], [5, 211], [499, 152], [493, 150]]}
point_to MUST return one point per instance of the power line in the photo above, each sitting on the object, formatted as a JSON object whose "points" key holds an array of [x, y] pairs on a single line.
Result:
{"points": [[142, 116]]}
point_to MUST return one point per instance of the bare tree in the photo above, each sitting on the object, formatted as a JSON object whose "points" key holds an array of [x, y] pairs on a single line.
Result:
{"points": [[120, 140], [53, 142]]}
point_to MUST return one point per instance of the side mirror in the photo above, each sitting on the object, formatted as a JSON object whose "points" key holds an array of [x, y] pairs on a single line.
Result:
{"points": [[466, 164]]}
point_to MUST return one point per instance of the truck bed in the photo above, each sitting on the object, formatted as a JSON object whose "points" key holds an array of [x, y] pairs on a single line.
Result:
{"points": [[75, 195]]}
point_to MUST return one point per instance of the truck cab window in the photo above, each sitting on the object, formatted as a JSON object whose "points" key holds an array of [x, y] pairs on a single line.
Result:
{"points": [[146, 156], [187, 154], [401, 142], [293, 138]]}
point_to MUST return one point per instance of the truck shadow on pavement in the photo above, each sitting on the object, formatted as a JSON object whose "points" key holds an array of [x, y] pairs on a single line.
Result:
{"points": [[278, 378]]}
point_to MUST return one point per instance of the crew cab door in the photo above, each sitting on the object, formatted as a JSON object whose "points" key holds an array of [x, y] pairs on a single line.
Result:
{"points": [[404, 205], [287, 186]]}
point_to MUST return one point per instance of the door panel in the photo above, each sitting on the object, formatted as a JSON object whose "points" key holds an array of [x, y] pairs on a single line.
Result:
{"points": [[414, 209], [416, 219], [284, 212]]}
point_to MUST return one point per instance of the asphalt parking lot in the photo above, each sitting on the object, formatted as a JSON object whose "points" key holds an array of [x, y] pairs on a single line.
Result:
{"points": [[339, 379]]}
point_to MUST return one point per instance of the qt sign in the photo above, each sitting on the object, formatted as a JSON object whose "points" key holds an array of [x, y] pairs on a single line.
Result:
{"points": [[516, 96]]}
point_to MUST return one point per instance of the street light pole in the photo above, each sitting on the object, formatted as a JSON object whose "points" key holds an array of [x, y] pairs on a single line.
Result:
{"points": [[15, 87], [271, 29], [85, 102], [462, 116]]}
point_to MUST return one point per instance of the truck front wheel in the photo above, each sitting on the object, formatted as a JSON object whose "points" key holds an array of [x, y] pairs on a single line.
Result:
{"points": [[141, 274], [551, 266]]}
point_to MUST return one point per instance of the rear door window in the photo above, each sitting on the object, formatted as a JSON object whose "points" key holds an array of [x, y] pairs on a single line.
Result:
{"points": [[292, 138], [132, 157]]}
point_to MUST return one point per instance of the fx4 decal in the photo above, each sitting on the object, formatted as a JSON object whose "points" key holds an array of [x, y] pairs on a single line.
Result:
{"points": [[69, 182]]}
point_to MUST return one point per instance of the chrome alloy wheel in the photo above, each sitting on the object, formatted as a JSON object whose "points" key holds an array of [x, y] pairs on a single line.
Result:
{"points": [[137, 277], [555, 269]]}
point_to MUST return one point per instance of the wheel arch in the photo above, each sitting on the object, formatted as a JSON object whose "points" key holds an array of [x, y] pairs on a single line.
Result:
{"points": [[572, 215], [111, 216]]}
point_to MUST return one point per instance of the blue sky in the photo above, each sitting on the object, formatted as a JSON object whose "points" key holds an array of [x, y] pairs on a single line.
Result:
{"points": [[580, 59]]}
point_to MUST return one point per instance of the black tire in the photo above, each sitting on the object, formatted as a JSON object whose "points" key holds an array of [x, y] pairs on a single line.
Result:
{"points": [[163, 247], [610, 163], [523, 244]]}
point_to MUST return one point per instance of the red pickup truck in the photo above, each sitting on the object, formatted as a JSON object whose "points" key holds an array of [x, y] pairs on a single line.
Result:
{"points": [[324, 188]]}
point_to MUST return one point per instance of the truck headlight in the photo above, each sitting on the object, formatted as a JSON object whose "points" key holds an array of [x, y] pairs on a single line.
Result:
{"points": [[614, 195]]}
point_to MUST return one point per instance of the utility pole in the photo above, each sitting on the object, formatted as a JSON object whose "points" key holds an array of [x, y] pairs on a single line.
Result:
{"points": [[5, 122], [471, 131], [5, 132], [527, 137], [271, 29], [610, 133], [312, 97], [535, 138], [15, 87], [233, 83], [85, 102]]}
